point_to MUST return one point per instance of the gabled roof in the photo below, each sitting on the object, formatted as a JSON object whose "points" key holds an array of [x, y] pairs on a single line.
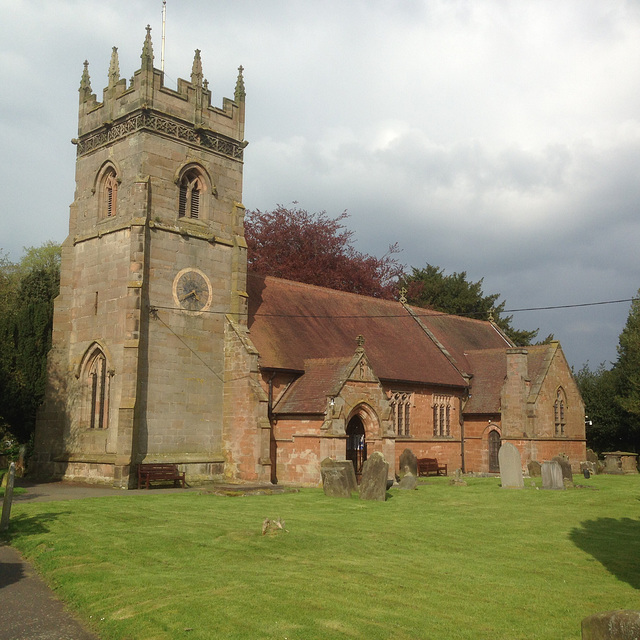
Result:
{"points": [[291, 322], [460, 336], [489, 368], [308, 394]]}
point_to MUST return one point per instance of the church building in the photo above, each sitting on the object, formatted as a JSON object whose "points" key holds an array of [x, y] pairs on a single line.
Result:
{"points": [[166, 350]]}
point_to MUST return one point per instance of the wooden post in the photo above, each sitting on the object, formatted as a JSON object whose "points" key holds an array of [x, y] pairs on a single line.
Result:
{"points": [[8, 497]]}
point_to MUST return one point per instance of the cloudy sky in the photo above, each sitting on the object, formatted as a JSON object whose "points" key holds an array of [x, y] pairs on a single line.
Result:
{"points": [[500, 138]]}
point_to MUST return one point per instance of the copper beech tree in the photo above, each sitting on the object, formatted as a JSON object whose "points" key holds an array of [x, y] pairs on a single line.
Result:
{"points": [[317, 249]]}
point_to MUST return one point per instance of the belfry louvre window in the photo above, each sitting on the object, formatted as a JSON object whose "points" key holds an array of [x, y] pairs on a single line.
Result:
{"points": [[442, 415], [401, 408], [109, 193], [190, 192], [559, 412]]}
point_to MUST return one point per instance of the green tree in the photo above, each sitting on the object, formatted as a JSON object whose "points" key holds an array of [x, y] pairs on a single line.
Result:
{"points": [[430, 287], [604, 416], [627, 371], [27, 291]]}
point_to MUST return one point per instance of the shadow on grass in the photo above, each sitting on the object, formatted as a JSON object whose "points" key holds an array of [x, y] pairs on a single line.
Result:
{"points": [[615, 543], [22, 525]]}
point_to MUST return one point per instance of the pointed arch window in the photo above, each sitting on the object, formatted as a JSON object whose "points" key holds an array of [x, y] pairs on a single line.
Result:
{"points": [[96, 381], [191, 188], [560, 412], [109, 193]]}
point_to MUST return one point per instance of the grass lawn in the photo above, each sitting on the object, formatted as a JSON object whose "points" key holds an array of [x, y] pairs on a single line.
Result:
{"points": [[442, 562]]}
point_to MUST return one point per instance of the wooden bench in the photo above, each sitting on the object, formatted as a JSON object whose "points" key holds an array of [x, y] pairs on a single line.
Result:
{"points": [[165, 471], [429, 466]]}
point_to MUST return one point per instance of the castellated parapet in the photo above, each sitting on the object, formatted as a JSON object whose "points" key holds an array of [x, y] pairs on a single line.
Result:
{"points": [[145, 103]]}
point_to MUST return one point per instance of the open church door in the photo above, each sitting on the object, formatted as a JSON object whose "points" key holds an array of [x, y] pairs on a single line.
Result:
{"points": [[356, 445]]}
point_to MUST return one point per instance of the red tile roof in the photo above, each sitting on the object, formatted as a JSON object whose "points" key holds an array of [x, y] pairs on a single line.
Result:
{"points": [[308, 394], [291, 322]]}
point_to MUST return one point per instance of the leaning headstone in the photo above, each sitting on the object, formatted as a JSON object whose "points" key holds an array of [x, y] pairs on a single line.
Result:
{"points": [[534, 468], [8, 497], [552, 475], [623, 624], [565, 465], [408, 482], [338, 478], [510, 467], [408, 463], [373, 484]]}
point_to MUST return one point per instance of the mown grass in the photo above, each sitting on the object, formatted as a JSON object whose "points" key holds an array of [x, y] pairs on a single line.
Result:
{"points": [[474, 562]]}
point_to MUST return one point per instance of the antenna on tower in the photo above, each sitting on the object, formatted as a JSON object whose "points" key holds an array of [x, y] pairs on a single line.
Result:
{"points": [[164, 20]]}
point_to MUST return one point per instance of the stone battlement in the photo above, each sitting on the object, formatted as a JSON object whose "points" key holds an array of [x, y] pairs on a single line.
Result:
{"points": [[145, 103]]}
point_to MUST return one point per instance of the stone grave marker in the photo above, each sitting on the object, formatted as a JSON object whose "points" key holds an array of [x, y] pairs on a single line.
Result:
{"points": [[8, 497], [408, 463], [552, 475], [338, 478], [373, 484], [535, 470], [408, 481], [510, 467], [623, 624], [565, 465]]}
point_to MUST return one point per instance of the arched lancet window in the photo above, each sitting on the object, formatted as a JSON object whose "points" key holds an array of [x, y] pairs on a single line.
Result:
{"points": [[560, 412], [108, 193], [96, 379], [191, 190]]}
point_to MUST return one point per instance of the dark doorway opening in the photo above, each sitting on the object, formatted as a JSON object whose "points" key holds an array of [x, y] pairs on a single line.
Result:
{"points": [[356, 445], [494, 447]]}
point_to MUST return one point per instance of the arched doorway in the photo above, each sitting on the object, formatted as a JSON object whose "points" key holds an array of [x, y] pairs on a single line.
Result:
{"points": [[494, 447], [356, 444]]}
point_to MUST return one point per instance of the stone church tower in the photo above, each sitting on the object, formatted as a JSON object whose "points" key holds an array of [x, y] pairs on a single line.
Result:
{"points": [[150, 359]]}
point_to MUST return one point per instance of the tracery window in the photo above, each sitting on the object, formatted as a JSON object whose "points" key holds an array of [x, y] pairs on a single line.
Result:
{"points": [[559, 412], [96, 381], [442, 415], [401, 408], [191, 188]]}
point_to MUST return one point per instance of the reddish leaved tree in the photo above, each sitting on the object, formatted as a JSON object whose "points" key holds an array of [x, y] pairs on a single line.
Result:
{"points": [[317, 249]]}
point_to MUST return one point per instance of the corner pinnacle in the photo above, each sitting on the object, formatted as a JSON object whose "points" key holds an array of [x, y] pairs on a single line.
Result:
{"points": [[147, 51], [240, 93], [114, 68]]}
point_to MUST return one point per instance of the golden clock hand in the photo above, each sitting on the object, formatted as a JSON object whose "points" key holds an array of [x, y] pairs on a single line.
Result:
{"points": [[191, 293]]}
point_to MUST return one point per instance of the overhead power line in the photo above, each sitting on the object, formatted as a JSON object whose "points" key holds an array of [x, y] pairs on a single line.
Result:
{"points": [[427, 313]]}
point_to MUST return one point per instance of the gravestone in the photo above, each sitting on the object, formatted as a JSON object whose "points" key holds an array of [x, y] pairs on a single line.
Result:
{"points": [[565, 465], [623, 624], [552, 475], [8, 497], [408, 482], [338, 478], [373, 484], [592, 456], [535, 470], [457, 480], [408, 463], [590, 467], [510, 467]]}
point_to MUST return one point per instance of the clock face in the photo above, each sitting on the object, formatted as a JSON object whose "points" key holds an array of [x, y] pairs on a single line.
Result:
{"points": [[192, 290]]}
